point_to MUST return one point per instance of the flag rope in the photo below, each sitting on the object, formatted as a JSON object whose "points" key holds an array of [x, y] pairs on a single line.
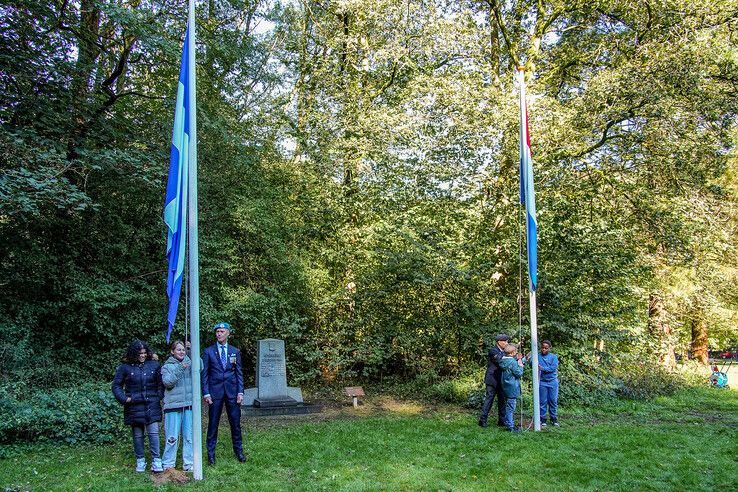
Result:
{"points": [[521, 217]]}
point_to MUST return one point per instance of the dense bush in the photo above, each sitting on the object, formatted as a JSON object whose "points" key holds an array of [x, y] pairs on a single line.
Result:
{"points": [[86, 413], [642, 380], [434, 388], [588, 380], [455, 390]]}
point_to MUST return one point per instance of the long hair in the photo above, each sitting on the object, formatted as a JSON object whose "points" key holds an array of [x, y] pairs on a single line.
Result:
{"points": [[134, 348], [175, 343]]}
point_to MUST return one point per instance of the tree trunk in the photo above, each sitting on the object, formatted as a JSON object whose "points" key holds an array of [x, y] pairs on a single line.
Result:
{"points": [[660, 331], [88, 44], [494, 47], [699, 335]]}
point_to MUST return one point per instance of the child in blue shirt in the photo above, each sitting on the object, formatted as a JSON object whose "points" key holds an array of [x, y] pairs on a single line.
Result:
{"points": [[512, 369], [548, 388]]}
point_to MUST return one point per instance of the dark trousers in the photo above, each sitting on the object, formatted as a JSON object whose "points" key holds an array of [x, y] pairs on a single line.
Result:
{"points": [[493, 391], [233, 410]]}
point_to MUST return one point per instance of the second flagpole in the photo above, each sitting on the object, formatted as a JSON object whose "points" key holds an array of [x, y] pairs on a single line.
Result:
{"points": [[531, 289]]}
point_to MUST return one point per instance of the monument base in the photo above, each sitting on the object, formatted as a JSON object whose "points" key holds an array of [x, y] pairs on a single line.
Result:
{"points": [[275, 401], [252, 394], [300, 409]]}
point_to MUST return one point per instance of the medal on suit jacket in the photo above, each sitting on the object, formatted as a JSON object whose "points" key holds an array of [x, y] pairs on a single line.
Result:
{"points": [[232, 359]]}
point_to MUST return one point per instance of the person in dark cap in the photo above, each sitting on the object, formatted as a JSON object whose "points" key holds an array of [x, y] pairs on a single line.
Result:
{"points": [[222, 384], [493, 382]]}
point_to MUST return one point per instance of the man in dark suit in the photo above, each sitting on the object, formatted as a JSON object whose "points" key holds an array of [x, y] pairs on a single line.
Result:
{"points": [[492, 379], [222, 383]]}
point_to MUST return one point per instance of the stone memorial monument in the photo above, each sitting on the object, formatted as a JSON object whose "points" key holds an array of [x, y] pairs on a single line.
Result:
{"points": [[271, 379]]}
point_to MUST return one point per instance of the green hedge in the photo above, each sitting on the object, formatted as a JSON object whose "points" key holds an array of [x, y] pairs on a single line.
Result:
{"points": [[586, 383], [86, 413]]}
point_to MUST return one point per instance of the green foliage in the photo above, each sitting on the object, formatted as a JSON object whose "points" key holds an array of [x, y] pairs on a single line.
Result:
{"points": [[458, 390], [84, 413], [431, 388], [359, 183], [641, 380], [586, 378]]}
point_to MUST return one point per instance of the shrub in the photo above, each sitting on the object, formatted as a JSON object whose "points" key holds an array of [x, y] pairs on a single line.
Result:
{"points": [[457, 390], [643, 380], [87, 413], [434, 388], [476, 398], [693, 373]]}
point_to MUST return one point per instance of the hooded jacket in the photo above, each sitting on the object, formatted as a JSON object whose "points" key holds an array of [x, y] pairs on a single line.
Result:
{"points": [[177, 383], [511, 373]]}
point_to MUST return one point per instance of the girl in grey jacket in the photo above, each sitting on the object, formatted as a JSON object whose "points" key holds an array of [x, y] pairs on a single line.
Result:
{"points": [[176, 374]]}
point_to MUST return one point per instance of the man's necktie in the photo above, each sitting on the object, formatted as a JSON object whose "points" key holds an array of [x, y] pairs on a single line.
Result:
{"points": [[223, 356]]}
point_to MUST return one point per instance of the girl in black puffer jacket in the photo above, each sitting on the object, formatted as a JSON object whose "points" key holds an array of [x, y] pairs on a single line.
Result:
{"points": [[137, 386]]}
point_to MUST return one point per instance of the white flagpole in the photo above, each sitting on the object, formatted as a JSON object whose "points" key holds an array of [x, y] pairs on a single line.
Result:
{"points": [[193, 253], [531, 291], [534, 362]]}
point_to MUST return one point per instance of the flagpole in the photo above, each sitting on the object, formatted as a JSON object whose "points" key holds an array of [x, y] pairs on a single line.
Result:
{"points": [[534, 362], [194, 269], [531, 288]]}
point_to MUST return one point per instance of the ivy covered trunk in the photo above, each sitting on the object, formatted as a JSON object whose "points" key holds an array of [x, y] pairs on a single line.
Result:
{"points": [[662, 339], [699, 335]]}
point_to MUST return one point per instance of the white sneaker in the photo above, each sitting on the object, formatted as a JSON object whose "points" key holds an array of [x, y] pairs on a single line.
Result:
{"points": [[187, 468], [555, 424], [156, 465], [544, 424], [140, 465]]}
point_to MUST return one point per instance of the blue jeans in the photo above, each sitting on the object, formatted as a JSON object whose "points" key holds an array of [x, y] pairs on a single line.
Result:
{"points": [[509, 410], [174, 422], [152, 430], [549, 395]]}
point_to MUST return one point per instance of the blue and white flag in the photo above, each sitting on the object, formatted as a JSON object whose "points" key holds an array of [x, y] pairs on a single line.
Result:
{"points": [[175, 208], [527, 193]]}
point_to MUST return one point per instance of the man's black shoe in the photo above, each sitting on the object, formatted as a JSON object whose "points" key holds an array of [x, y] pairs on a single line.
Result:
{"points": [[501, 424], [483, 423], [241, 457], [211, 460]]}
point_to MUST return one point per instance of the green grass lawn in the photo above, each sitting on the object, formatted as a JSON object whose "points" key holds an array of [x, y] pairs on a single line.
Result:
{"points": [[685, 442]]}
